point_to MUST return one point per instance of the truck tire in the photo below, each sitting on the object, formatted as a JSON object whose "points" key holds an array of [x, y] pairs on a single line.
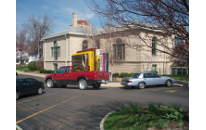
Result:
{"points": [[96, 86], [82, 84], [49, 83]]}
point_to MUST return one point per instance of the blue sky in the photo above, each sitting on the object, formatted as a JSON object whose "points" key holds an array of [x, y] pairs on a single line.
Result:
{"points": [[59, 10]]}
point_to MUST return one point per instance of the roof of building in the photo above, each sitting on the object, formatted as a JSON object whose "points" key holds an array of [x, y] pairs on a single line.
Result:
{"points": [[82, 22], [116, 28], [71, 30]]}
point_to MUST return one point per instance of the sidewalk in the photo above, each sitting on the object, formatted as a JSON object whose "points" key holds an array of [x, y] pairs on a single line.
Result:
{"points": [[110, 84]]}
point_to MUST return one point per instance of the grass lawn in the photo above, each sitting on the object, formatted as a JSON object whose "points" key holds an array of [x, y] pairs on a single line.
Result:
{"points": [[178, 77], [22, 68], [151, 116]]}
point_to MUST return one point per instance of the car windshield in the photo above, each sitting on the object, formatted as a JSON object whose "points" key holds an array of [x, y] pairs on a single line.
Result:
{"points": [[19, 81], [136, 75]]}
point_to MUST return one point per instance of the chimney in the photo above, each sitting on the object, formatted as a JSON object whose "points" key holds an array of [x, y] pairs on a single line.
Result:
{"points": [[74, 19]]}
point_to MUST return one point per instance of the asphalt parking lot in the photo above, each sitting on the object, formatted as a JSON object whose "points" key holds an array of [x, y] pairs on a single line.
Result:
{"points": [[71, 108]]}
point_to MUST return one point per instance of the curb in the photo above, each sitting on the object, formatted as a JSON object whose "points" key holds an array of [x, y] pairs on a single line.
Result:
{"points": [[101, 127], [18, 128]]}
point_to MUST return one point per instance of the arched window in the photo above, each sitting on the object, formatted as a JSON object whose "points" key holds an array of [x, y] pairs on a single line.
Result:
{"points": [[154, 46], [119, 50], [85, 45], [55, 51]]}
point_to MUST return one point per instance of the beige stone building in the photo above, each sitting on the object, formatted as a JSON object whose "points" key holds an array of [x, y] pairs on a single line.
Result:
{"points": [[122, 46]]}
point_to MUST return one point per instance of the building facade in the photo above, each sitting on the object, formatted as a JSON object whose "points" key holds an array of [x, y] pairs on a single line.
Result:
{"points": [[124, 54]]}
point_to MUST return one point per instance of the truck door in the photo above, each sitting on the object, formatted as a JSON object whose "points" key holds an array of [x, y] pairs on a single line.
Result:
{"points": [[59, 76], [67, 75]]}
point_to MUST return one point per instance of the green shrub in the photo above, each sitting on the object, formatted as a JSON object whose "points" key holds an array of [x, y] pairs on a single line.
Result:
{"points": [[32, 65], [115, 74], [122, 75], [46, 71], [42, 71], [155, 71], [130, 74]]}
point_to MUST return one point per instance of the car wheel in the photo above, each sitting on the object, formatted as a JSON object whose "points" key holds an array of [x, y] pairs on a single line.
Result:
{"points": [[141, 85], [17, 95], [96, 86], [82, 84], [168, 83], [49, 83], [39, 91]]}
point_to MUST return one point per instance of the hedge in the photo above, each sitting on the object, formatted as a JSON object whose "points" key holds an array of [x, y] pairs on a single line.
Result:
{"points": [[46, 71], [32, 65], [115, 74], [130, 74], [123, 75], [155, 71]]}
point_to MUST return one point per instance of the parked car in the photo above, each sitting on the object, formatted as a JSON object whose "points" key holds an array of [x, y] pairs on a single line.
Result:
{"points": [[26, 86], [140, 80]]}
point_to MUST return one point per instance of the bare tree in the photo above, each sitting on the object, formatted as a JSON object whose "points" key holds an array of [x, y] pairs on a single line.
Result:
{"points": [[21, 43], [163, 17], [37, 28]]}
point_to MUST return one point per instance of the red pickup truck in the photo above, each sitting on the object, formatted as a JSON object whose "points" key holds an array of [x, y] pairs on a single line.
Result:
{"points": [[64, 76]]}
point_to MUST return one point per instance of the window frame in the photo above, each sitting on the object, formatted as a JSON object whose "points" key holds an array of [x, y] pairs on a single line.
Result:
{"points": [[119, 50], [85, 43], [60, 71], [154, 46]]}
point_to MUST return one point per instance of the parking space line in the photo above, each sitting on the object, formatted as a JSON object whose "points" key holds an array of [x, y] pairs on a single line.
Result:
{"points": [[35, 98], [45, 110]]}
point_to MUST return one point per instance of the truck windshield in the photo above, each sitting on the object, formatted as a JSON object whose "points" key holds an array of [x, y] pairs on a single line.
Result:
{"points": [[136, 75]]}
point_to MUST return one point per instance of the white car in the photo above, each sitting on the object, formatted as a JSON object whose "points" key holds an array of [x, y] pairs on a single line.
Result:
{"points": [[141, 80]]}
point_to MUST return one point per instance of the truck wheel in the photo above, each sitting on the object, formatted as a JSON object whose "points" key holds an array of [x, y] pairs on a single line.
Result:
{"points": [[96, 86], [82, 84], [49, 83]]}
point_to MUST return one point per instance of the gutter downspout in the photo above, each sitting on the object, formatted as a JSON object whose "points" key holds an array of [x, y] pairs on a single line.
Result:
{"points": [[66, 50]]}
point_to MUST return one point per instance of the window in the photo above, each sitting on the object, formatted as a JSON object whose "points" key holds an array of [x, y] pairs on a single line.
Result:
{"points": [[154, 46], [155, 75], [136, 75], [34, 81], [55, 51], [154, 67], [147, 75], [28, 82], [67, 70], [60, 70], [97, 45], [85, 45], [178, 40], [119, 50], [55, 66]]}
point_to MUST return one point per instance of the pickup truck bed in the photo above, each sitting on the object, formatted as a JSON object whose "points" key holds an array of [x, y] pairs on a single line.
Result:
{"points": [[65, 76]]}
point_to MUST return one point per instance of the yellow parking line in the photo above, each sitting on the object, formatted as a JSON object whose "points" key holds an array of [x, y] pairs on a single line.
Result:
{"points": [[35, 98], [171, 91], [45, 110]]}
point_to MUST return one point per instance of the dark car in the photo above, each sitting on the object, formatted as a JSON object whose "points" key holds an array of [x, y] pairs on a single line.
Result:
{"points": [[26, 86]]}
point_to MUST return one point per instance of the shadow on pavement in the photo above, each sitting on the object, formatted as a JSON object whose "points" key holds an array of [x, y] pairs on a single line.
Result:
{"points": [[91, 116]]}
